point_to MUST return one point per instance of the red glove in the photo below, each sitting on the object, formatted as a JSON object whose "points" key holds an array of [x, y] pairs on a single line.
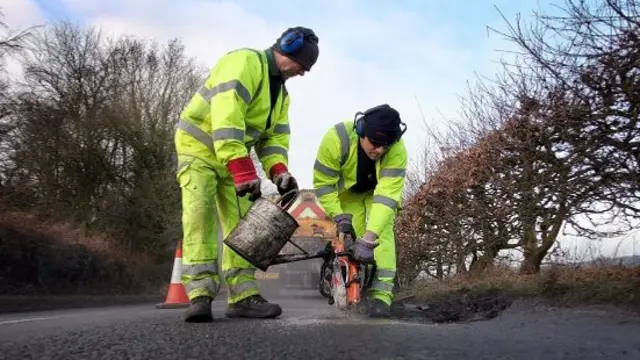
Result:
{"points": [[245, 177]]}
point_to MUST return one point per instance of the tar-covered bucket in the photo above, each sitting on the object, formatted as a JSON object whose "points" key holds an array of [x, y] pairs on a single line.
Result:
{"points": [[265, 229]]}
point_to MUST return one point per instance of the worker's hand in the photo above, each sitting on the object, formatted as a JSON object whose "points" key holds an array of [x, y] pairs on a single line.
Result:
{"points": [[251, 187], [363, 248], [344, 226], [245, 178], [284, 181]]}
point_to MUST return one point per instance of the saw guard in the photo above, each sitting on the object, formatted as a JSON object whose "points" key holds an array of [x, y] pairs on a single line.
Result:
{"points": [[349, 278]]}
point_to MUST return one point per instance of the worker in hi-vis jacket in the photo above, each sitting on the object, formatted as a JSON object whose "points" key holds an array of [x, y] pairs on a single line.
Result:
{"points": [[359, 177], [243, 103]]}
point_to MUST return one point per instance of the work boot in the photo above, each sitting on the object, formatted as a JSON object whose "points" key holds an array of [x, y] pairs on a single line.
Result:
{"points": [[379, 309], [199, 310], [254, 306]]}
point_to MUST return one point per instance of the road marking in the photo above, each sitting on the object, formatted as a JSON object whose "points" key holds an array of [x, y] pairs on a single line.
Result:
{"points": [[16, 321], [23, 320]]}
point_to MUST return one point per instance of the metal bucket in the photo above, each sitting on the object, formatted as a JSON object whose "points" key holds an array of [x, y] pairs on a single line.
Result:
{"points": [[262, 233]]}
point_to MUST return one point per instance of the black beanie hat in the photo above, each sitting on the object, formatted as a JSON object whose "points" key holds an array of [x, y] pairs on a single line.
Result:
{"points": [[307, 55], [382, 124]]}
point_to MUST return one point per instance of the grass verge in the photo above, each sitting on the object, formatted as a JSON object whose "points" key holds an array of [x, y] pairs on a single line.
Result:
{"points": [[561, 286], [41, 258]]}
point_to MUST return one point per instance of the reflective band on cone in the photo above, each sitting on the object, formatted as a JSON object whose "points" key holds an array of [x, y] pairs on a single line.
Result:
{"points": [[176, 296]]}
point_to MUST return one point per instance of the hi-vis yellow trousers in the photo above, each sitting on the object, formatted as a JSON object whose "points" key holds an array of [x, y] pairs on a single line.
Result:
{"points": [[205, 197], [359, 206]]}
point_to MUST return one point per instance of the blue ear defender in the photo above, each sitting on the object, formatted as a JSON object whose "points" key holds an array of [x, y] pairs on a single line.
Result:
{"points": [[292, 42], [359, 124]]}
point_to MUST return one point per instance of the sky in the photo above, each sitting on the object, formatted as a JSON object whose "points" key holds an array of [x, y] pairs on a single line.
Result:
{"points": [[415, 55]]}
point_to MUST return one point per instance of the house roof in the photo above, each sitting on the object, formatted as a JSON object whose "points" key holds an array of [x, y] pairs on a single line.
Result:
{"points": [[307, 206]]}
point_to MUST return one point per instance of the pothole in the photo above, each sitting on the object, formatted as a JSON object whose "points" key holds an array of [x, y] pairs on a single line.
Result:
{"points": [[454, 308], [461, 307]]}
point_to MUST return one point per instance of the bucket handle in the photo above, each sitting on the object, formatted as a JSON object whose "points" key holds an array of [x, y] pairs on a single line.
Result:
{"points": [[290, 202], [283, 207]]}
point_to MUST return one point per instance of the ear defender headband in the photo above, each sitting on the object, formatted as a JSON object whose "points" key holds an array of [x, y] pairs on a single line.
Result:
{"points": [[293, 41], [360, 122]]}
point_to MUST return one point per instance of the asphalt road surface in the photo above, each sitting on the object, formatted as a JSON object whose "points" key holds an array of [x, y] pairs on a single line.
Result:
{"points": [[311, 329]]}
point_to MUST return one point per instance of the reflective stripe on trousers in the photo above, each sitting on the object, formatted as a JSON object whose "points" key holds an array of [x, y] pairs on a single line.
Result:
{"points": [[383, 280], [241, 283], [200, 279]]}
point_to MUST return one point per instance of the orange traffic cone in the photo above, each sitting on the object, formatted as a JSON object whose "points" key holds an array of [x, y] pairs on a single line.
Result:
{"points": [[176, 296]]}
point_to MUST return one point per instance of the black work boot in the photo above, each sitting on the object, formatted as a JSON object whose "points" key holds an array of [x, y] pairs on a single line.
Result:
{"points": [[199, 310], [379, 309], [254, 306]]}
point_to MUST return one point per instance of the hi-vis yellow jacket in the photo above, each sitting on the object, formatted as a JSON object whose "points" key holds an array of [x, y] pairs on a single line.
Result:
{"points": [[229, 114], [335, 171]]}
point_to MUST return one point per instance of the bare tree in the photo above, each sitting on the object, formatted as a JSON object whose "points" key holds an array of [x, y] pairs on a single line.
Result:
{"points": [[11, 43], [590, 106], [93, 131], [553, 142]]}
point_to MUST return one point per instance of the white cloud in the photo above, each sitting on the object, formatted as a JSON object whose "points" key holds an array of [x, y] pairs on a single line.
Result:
{"points": [[407, 59], [18, 16]]}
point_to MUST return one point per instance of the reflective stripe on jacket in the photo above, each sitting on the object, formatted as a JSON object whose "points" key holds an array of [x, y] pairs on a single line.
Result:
{"points": [[229, 113], [335, 171]]}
